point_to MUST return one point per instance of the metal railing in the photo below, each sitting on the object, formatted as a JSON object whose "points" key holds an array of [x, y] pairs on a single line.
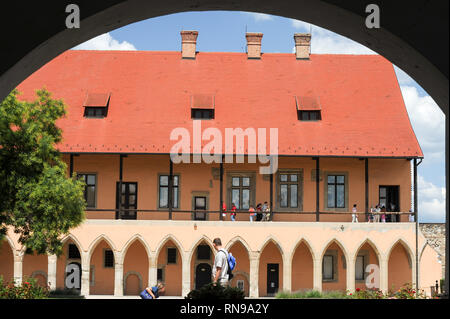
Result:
{"points": [[272, 216]]}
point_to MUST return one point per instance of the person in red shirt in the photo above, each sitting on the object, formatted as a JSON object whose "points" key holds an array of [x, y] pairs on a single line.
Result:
{"points": [[252, 213], [233, 212], [224, 210]]}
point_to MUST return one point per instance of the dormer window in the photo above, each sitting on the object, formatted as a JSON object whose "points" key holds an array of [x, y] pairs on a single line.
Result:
{"points": [[202, 114], [96, 105], [96, 112], [202, 107], [308, 108], [309, 115]]}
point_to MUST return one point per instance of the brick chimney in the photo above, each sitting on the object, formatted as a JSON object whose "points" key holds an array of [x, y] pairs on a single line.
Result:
{"points": [[302, 45], [188, 44], [253, 45]]}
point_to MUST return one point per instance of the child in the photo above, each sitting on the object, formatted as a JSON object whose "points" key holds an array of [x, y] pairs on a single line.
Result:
{"points": [[153, 292], [233, 212], [224, 210]]}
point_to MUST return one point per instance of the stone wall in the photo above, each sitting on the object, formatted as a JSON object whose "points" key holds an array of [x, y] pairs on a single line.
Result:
{"points": [[435, 235]]}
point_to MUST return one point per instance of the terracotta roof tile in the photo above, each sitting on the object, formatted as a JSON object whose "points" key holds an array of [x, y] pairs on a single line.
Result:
{"points": [[363, 113]]}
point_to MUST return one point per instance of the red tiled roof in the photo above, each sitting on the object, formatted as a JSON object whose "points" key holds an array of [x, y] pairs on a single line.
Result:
{"points": [[307, 103], [202, 101], [363, 113], [96, 99]]}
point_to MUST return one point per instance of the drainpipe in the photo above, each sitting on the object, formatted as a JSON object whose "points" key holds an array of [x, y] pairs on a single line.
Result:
{"points": [[416, 219]]}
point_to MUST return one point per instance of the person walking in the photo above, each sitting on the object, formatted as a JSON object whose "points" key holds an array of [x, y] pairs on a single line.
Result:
{"points": [[233, 212], [220, 268], [252, 213], [354, 214]]}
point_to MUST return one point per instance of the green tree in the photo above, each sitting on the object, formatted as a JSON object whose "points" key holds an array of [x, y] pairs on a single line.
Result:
{"points": [[37, 199]]}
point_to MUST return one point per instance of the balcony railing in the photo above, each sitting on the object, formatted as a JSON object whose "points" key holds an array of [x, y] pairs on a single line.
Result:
{"points": [[214, 215]]}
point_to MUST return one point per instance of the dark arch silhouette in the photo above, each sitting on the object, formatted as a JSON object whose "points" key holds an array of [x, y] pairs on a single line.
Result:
{"points": [[405, 37], [413, 35]]}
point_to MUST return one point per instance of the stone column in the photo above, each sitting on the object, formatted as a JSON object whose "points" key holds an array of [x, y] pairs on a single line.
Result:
{"points": [[317, 274], [413, 271], [254, 274], [351, 274], [85, 274], [384, 274], [152, 269], [287, 273], [118, 274], [18, 265], [51, 274], [186, 275]]}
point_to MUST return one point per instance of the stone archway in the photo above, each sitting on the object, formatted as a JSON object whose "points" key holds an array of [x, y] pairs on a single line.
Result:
{"points": [[135, 266], [6, 260], [399, 266], [241, 274], [302, 267], [334, 267], [270, 279]]}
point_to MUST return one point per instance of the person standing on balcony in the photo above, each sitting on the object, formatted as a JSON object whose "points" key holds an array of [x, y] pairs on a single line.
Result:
{"points": [[377, 213], [265, 209], [383, 214], [258, 212], [371, 215], [224, 210], [354, 214], [252, 213], [233, 212]]}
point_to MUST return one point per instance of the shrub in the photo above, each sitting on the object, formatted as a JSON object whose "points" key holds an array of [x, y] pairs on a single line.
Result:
{"points": [[211, 291], [301, 294], [371, 293], [406, 292], [28, 290]]}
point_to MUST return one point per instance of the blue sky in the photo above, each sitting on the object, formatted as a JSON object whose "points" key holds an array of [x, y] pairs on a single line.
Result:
{"points": [[224, 31]]}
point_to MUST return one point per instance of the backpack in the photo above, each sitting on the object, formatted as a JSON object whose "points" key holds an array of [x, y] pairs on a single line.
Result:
{"points": [[231, 265]]}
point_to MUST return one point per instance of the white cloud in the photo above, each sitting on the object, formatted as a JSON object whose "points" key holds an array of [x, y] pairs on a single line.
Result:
{"points": [[428, 122], [402, 77], [327, 42], [304, 26], [105, 42], [431, 201], [259, 17]]}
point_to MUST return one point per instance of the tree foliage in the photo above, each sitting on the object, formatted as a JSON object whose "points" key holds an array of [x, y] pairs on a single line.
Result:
{"points": [[37, 199]]}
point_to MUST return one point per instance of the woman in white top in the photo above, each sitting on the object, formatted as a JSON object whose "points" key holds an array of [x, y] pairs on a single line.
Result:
{"points": [[354, 215]]}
